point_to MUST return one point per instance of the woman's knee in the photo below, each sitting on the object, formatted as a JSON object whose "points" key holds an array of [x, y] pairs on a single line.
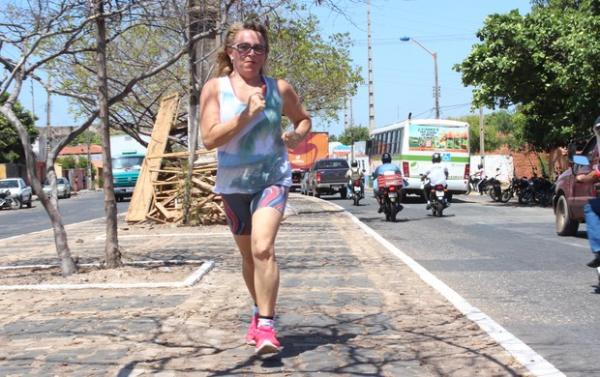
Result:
{"points": [[263, 250]]}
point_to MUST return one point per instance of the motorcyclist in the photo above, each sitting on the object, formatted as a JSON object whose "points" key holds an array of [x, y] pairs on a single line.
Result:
{"points": [[353, 174], [437, 174], [386, 165], [480, 174]]}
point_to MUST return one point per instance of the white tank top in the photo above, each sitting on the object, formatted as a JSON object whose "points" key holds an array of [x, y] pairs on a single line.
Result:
{"points": [[256, 157]]}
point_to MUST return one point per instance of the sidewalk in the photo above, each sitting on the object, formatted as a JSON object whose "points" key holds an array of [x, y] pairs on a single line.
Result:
{"points": [[346, 307]]}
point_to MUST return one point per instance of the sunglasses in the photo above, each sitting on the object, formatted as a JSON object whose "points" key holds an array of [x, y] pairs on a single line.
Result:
{"points": [[244, 48]]}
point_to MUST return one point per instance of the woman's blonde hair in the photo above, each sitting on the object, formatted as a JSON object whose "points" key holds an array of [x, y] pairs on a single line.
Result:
{"points": [[224, 64]]}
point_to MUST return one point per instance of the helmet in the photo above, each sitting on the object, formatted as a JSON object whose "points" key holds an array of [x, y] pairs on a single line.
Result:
{"points": [[354, 164], [436, 157], [386, 158]]}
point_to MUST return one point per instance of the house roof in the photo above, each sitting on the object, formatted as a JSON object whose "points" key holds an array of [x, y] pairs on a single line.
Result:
{"points": [[80, 149]]}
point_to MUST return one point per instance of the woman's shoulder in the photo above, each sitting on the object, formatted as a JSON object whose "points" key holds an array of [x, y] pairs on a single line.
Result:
{"points": [[282, 85]]}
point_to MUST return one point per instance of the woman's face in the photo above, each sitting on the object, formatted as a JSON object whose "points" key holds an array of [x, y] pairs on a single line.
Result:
{"points": [[248, 53]]}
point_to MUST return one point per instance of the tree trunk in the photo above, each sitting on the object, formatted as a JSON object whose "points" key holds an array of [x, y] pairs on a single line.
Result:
{"points": [[67, 264], [202, 17], [111, 247]]}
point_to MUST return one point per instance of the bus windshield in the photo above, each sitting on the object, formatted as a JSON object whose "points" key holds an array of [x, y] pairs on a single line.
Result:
{"points": [[127, 162]]}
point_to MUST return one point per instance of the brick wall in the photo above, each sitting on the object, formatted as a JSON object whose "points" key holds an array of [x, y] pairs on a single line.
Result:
{"points": [[525, 163]]}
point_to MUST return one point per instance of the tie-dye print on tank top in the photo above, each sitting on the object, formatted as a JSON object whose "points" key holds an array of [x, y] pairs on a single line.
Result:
{"points": [[256, 157]]}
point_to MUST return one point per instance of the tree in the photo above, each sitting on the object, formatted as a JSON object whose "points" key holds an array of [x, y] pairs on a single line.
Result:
{"points": [[87, 138], [67, 162], [354, 134], [45, 35], [546, 62], [320, 71], [10, 148]]}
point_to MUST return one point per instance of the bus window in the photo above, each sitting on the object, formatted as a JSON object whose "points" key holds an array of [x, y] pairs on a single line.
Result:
{"points": [[399, 141]]}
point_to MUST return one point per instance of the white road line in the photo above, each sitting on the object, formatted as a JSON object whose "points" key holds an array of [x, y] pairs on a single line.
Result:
{"points": [[530, 359]]}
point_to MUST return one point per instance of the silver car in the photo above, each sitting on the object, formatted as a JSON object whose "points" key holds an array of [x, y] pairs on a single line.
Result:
{"points": [[19, 191], [63, 188]]}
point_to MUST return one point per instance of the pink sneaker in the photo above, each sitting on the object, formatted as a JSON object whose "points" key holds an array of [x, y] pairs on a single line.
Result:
{"points": [[251, 333], [266, 341]]}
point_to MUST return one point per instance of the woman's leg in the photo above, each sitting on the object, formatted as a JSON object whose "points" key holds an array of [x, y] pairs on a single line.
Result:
{"points": [[265, 224], [244, 244], [268, 207], [239, 219]]}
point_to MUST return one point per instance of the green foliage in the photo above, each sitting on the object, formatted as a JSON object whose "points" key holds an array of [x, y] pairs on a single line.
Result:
{"points": [[87, 137], [492, 138], [353, 134], [67, 162], [546, 62], [82, 163], [500, 128], [319, 70], [333, 138], [11, 149]]}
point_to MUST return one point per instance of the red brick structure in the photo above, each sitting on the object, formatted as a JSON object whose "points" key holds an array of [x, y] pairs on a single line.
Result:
{"points": [[526, 163]]}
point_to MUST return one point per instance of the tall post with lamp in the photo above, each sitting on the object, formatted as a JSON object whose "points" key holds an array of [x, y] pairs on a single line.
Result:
{"points": [[436, 87]]}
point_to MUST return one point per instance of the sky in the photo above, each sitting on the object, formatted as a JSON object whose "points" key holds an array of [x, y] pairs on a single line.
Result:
{"points": [[403, 72]]}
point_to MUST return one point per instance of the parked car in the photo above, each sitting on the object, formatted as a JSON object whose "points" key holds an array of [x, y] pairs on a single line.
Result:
{"points": [[570, 196], [328, 176], [63, 188], [19, 191]]}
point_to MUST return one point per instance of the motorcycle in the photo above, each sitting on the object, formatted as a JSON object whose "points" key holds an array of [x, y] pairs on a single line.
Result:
{"points": [[472, 185], [7, 202], [438, 198], [357, 191], [543, 190], [390, 191], [494, 189]]}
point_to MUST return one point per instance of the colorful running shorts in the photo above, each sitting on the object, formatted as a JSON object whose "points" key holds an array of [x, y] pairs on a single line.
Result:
{"points": [[240, 207]]}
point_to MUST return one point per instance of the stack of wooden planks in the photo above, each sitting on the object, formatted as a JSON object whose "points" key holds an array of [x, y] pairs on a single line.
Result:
{"points": [[168, 188], [159, 193]]}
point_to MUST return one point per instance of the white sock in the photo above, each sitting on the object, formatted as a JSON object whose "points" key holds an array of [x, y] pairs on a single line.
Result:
{"points": [[266, 322]]}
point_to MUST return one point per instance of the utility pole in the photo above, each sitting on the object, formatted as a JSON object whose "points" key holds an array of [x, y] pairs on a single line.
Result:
{"points": [[481, 135], [347, 113], [437, 87], [370, 64]]}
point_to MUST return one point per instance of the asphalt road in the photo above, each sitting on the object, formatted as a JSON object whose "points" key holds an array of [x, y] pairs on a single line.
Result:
{"points": [[85, 206], [507, 260]]}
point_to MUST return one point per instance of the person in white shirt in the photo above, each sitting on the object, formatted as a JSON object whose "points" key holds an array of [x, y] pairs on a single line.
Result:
{"points": [[353, 174], [480, 174], [437, 174]]}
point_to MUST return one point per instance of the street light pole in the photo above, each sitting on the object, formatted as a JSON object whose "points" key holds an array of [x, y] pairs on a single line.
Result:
{"points": [[436, 87]]}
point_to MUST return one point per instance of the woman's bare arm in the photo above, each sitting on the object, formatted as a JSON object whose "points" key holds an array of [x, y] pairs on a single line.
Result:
{"points": [[293, 109]]}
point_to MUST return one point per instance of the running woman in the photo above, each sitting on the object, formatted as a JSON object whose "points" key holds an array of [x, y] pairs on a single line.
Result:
{"points": [[240, 115]]}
